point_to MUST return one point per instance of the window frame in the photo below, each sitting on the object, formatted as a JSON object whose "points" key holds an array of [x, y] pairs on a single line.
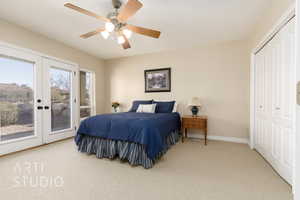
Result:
{"points": [[92, 90]]}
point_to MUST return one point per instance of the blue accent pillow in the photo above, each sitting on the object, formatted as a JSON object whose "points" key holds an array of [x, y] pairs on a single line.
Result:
{"points": [[136, 104], [164, 106]]}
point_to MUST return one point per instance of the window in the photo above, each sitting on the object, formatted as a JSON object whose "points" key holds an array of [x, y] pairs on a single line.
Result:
{"points": [[16, 99], [87, 94]]}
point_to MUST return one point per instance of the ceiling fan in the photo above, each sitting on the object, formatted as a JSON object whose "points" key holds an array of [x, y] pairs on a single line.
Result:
{"points": [[116, 22]]}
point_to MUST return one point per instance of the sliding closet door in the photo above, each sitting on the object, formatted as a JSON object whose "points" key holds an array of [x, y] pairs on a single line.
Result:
{"points": [[20, 100], [262, 111], [276, 103], [283, 101], [288, 100], [60, 100], [275, 100]]}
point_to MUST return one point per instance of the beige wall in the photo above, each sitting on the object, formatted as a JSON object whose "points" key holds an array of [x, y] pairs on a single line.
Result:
{"points": [[218, 74], [19, 36], [269, 19]]}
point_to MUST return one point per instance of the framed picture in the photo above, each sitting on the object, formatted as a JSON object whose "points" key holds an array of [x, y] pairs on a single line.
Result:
{"points": [[158, 80]]}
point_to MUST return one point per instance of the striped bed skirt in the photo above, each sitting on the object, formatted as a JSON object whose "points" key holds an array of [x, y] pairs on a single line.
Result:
{"points": [[134, 153]]}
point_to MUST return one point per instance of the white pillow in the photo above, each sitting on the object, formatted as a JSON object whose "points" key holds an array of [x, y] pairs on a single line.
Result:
{"points": [[146, 108], [175, 107]]}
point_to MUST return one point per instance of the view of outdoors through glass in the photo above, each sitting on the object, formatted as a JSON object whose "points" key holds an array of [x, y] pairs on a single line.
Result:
{"points": [[85, 112], [60, 81], [85, 94], [16, 99]]}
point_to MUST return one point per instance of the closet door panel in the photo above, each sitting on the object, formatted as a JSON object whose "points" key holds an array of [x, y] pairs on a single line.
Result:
{"points": [[287, 145], [256, 132], [289, 94], [266, 135], [258, 81], [276, 76], [263, 82], [288, 73], [276, 141], [287, 81]]}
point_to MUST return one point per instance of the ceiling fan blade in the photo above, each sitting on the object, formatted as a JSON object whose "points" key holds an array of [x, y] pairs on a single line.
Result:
{"points": [[89, 34], [86, 12], [126, 44], [129, 10], [144, 31]]}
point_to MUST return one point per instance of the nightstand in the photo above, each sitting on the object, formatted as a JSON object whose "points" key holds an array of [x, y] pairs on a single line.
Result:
{"points": [[197, 122]]}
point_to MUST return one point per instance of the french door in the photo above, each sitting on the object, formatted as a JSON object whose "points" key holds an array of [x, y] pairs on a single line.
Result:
{"points": [[20, 89], [59, 99], [37, 100]]}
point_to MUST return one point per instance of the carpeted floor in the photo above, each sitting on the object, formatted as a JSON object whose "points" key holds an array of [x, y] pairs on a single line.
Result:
{"points": [[219, 171]]}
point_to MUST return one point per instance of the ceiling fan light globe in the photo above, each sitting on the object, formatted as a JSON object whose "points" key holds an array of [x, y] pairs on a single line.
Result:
{"points": [[105, 34], [127, 33], [109, 27], [121, 40]]}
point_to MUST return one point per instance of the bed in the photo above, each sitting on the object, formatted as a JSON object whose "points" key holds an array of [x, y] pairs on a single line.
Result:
{"points": [[139, 138]]}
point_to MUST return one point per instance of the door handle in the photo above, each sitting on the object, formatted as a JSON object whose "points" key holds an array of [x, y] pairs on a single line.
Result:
{"points": [[40, 107]]}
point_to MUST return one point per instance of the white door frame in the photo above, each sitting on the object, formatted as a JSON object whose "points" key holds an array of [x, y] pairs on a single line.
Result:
{"points": [[35, 140]]}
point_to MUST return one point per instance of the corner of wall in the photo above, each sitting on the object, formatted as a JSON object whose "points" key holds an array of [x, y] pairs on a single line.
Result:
{"points": [[268, 20]]}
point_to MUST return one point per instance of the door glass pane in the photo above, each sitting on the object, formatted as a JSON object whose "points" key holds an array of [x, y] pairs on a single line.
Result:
{"points": [[60, 81], [85, 112], [16, 99], [85, 88]]}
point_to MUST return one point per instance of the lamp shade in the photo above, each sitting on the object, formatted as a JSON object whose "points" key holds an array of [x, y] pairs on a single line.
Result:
{"points": [[109, 27], [127, 33], [105, 34], [195, 101], [121, 40]]}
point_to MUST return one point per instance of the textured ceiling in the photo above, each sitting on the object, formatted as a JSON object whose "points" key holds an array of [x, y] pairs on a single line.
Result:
{"points": [[182, 23]]}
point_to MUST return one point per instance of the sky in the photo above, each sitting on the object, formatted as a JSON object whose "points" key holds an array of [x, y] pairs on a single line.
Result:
{"points": [[21, 72], [15, 71]]}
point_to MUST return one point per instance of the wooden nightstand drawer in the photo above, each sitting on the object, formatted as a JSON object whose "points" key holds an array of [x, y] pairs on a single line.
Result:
{"points": [[191, 125], [194, 122], [200, 124]]}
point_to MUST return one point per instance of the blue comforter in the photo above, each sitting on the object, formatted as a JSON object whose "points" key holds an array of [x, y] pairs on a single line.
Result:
{"points": [[148, 129]]}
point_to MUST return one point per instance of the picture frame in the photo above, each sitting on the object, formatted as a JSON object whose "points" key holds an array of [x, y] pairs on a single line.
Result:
{"points": [[157, 80]]}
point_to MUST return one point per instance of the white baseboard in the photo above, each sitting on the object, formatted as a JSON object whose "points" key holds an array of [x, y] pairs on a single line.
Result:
{"points": [[221, 138]]}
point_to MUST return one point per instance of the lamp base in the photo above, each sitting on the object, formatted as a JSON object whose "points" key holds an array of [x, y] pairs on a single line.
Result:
{"points": [[195, 111]]}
